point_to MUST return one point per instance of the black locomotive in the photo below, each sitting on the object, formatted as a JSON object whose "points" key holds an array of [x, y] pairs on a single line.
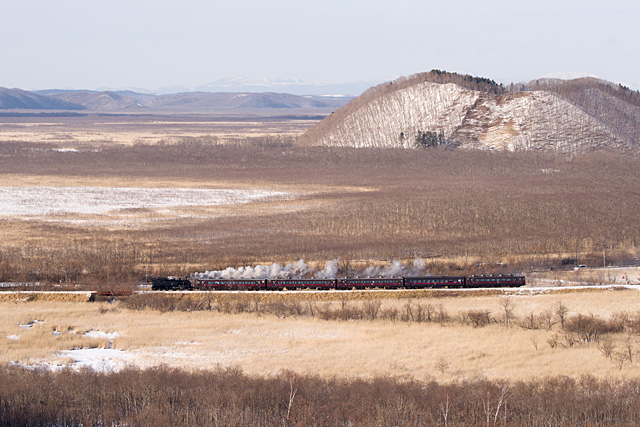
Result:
{"points": [[426, 282], [171, 284]]}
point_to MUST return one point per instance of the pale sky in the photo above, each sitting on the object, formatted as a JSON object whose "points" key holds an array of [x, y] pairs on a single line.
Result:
{"points": [[87, 44]]}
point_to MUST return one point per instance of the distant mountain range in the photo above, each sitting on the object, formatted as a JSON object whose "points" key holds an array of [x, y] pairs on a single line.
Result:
{"points": [[292, 86], [130, 101], [467, 112], [22, 99]]}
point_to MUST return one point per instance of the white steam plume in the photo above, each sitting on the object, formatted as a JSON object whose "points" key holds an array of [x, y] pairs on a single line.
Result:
{"points": [[296, 270], [300, 269], [396, 269], [329, 271]]}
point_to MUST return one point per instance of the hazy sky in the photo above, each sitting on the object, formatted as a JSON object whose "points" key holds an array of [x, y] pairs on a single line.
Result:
{"points": [[151, 44]]}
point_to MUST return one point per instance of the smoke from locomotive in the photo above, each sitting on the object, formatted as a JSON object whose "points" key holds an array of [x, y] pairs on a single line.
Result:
{"points": [[301, 269]]}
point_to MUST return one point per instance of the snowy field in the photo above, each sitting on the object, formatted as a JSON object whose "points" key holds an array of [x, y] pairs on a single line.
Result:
{"points": [[98, 359], [36, 202]]}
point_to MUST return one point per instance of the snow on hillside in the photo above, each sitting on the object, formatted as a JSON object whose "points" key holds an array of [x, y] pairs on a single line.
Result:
{"points": [[529, 120], [578, 117], [394, 120]]}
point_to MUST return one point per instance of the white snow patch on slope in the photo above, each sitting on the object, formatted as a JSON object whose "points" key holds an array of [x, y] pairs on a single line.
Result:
{"points": [[530, 120], [425, 106]]}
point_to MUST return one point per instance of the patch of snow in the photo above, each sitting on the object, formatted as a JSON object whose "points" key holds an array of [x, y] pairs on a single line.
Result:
{"points": [[101, 334], [36, 201], [98, 359], [306, 334], [13, 337], [30, 324], [187, 343]]}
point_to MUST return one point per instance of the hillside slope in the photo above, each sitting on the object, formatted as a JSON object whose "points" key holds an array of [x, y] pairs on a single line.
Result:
{"points": [[470, 112], [100, 101], [22, 99], [192, 101]]}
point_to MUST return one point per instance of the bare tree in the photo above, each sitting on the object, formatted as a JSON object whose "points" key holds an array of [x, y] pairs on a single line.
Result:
{"points": [[442, 365], [607, 347], [561, 312], [629, 347], [534, 341], [508, 305], [620, 358]]}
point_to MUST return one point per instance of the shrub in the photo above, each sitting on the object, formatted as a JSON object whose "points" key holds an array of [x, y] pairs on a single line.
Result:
{"points": [[590, 328]]}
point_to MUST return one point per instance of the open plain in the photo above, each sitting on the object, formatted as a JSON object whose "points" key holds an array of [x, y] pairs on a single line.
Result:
{"points": [[116, 200], [461, 211]]}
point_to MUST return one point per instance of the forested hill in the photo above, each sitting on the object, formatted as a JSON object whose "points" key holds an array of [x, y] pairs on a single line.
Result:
{"points": [[462, 111]]}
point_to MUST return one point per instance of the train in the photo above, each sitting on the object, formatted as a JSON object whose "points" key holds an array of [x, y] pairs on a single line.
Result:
{"points": [[422, 282]]}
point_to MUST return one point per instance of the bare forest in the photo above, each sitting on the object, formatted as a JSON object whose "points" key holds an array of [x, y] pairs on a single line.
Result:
{"points": [[228, 397], [463, 211], [518, 209]]}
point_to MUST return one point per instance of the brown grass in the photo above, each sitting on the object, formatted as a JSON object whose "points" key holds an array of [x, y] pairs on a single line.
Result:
{"points": [[268, 340], [97, 131], [40, 296], [588, 276], [219, 297]]}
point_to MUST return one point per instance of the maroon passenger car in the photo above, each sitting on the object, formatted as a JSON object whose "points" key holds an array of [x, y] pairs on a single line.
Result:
{"points": [[229, 284], [279, 284], [434, 282], [369, 282], [495, 281]]}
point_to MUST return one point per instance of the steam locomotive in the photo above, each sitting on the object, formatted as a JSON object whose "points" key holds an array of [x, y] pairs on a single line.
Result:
{"points": [[426, 282]]}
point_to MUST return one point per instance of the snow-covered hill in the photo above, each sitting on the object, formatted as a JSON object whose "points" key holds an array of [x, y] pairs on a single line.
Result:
{"points": [[474, 113]]}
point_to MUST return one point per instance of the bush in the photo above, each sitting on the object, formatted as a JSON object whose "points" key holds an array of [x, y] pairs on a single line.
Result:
{"points": [[590, 328]]}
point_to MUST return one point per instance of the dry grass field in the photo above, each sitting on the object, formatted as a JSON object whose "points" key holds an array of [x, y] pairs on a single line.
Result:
{"points": [[264, 342], [94, 131]]}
